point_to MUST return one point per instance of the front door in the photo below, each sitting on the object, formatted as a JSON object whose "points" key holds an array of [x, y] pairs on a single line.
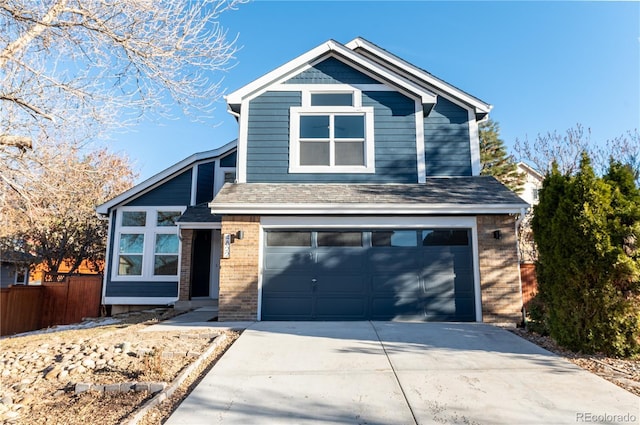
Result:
{"points": [[201, 264]]}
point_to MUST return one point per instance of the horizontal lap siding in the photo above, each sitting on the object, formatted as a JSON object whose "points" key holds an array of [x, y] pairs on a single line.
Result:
{"points": [[446, 135], [268, 136], [395, 136], [268, 140], [331, 71], [142, 289]]}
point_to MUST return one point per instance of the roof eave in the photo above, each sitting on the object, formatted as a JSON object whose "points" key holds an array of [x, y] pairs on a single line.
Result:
{"points": [[359, 209], [234, 99], [481, 108], [104, 208]]}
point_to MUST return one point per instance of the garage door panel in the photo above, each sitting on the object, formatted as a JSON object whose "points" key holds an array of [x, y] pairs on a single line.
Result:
{"points": [[381, 276], [392, 284], [385, 260], [341, 283], [340, 260], [396, 309], [289, 282], [448, 284], [445, 309], [287, 308], [289, 260], [341, 308]]}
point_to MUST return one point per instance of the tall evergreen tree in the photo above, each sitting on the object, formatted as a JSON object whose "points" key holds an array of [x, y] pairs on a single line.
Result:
{"points": [[494, 159], [588, 267]]}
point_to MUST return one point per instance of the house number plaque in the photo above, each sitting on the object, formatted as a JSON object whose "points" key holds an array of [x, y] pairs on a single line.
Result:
{"points": [[226, 246]]}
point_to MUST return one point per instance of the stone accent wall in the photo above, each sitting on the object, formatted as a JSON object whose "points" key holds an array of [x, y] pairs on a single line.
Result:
{"points": [[185, 265], [239, 273], [499, 270]]}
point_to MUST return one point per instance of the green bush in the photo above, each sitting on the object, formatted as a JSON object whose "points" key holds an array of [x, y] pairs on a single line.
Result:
{"points": [[586, 229], [536, 317]]}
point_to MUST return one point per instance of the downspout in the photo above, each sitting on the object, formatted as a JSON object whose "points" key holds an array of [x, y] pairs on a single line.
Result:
{"points": [[519, 220]]}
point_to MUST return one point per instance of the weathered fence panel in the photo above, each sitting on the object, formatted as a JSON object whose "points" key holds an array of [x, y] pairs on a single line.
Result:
{"points": [[27, 308], [83, 298], [54, 305], [21, 309]]}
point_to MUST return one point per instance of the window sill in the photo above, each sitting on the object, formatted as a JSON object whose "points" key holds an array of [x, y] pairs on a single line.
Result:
{"points": [[313, 169]]}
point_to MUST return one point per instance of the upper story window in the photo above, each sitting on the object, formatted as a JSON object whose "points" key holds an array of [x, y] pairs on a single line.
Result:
{"points": [[147, 245], [332, 133]]}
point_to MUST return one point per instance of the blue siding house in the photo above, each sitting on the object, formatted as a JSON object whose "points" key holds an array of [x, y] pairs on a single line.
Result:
{"points": [[147, 256], [356, 195]]}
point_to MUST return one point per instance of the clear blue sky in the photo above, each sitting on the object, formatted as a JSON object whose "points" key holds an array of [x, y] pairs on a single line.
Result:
{"points": [[544, 66]]}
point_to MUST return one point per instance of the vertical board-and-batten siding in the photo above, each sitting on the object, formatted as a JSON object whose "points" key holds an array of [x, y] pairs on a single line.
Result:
{"points": [[268, 131], [205, 182], [176, 191], [446, 140]]}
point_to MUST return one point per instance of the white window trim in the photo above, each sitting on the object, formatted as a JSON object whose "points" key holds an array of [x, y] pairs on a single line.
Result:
{"points": [[294, 143], [25, 272], [219, 178], [150, 230]]}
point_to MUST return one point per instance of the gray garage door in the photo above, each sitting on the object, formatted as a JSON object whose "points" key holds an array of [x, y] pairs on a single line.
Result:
{"points": [[410, 274]]}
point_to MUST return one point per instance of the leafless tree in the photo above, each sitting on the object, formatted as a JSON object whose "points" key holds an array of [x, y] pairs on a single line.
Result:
{"points": [[89, 65], [565, 149], [48, 198]]}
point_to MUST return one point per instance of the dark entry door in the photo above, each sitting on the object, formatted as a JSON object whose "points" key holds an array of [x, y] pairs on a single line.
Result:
{"points": [[201, 264]]}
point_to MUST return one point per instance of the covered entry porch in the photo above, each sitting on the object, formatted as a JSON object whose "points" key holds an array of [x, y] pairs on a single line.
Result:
{"points": [[200, 259]]}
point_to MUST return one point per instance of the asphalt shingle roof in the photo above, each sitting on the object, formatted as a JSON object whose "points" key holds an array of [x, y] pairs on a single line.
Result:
{"points": [[484, 190], [200, 213]]}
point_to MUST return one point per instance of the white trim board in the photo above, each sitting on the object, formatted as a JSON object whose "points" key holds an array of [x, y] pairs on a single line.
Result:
{"points": [[140, 300], [364, 209]]}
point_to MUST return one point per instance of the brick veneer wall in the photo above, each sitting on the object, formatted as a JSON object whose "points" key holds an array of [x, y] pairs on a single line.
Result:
{"points": [[239, 273], [185, 265], [499, 270]]}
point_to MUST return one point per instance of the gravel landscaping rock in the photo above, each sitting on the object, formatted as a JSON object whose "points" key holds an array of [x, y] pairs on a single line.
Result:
{"points": [[75, 376]]}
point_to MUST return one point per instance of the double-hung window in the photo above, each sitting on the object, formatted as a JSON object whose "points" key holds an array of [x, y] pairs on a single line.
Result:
{"points": [[147, 244], [332, 133]]}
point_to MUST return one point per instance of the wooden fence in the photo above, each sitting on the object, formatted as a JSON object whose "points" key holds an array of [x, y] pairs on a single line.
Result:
{"points": [[529, 282], [27, 308]]}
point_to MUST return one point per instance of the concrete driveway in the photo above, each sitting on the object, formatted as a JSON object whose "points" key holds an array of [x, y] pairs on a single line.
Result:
{"points": [[398, 373]]}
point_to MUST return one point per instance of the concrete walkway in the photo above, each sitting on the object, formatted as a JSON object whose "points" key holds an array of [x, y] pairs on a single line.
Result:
{"points": [[398, 373]]}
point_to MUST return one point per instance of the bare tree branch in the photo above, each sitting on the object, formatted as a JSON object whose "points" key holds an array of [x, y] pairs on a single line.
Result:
{"points": [[86, 66]]}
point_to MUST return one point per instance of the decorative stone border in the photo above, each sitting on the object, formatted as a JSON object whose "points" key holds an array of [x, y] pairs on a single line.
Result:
{"points": [[152, 387], [168, 391]]}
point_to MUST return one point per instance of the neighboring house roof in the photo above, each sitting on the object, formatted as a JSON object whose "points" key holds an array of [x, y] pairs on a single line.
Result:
{"points": [[531, 171], [457, 195], [164, 175], [16, 257], [418, 75], [330, 48]]}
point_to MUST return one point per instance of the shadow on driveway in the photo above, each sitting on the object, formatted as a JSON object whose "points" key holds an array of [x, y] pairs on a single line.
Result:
{"points": [[397, 373]]}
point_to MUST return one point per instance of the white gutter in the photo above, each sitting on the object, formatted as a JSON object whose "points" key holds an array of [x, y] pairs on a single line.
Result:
{"points": [[523, 212], [352, 209]]}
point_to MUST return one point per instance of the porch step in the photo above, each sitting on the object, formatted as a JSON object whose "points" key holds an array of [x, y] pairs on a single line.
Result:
{"points": [[208, 304]]}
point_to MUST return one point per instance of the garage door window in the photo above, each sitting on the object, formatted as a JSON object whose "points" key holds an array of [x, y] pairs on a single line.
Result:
{"points": [[399, 238], [445, 238], [289, 239], [339, 238]]}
